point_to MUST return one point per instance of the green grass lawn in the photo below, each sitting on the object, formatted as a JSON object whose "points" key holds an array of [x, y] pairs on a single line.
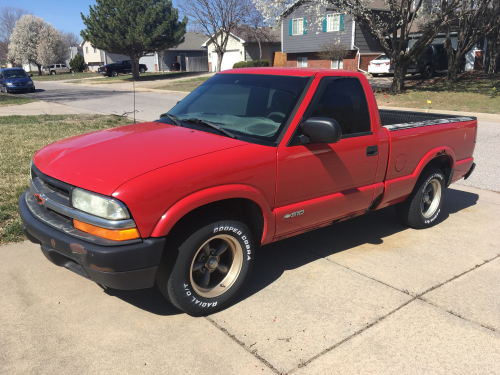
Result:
{"points": [[63, 76], [123, 78], [18, 144], [473, 92], [11, 99]]}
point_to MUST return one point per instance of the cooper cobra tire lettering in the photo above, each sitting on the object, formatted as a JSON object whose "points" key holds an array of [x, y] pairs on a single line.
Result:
{"points": [[183, 286]]}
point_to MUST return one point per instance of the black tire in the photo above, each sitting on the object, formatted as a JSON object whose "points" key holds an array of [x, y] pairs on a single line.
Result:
{"points": [[32, 89], [114, 73], [428, 72], [184, 267], [142, 70], [420, 209], [374, 74], [52, 72]]}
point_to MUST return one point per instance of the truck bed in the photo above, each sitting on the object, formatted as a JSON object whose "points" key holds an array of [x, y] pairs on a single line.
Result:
{"points": [[399, 120]]}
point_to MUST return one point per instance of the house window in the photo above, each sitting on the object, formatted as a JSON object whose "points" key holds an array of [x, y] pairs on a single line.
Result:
{"points": [[86, 49], [333, 22], [337, 64], [298, 26], [95, 50], [301, 62]]}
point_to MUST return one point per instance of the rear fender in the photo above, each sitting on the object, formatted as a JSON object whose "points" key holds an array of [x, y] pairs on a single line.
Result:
{"points": [[214, 194], [397, 189]]}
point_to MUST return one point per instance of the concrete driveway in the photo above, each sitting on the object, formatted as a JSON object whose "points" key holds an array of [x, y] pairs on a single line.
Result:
{"points": [[364, 296]]}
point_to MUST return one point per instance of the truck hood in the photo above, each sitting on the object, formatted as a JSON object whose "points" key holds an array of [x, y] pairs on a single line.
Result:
{"points": [[103, 160]]}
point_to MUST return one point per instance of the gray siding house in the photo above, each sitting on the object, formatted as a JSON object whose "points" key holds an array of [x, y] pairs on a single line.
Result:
{"points": [[303, 38], [191, 47]]}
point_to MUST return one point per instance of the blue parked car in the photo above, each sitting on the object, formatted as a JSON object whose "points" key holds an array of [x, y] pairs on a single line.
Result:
{"points": [[15, 80]]}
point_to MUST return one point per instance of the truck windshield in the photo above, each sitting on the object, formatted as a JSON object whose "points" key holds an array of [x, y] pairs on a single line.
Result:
{"points": [[251, 105]]}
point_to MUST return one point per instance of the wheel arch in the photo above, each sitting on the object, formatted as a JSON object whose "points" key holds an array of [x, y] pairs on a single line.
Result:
{"points": [[245, 202], [397, 189]]}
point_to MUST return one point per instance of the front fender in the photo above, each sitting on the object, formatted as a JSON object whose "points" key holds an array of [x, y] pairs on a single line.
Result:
{"points": [[214, 194]]}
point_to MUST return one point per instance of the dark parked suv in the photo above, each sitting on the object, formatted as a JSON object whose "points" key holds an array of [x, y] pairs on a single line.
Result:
{"points": [[434, 59], [125, 66]]}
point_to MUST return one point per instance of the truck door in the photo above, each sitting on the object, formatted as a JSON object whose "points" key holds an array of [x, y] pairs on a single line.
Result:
{"points": [[317, 183], [442, 58]]}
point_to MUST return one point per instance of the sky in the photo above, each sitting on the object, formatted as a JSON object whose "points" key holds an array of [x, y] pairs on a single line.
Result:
{"points": [[62, 14]]}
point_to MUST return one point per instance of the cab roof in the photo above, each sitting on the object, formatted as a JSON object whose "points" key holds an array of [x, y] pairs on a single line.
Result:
{"points": [[297, 72]]}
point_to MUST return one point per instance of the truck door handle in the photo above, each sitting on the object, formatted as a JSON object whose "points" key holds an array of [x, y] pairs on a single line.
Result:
{"points": [[372, 150]]}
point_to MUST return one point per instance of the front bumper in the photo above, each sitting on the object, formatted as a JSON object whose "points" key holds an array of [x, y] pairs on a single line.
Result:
{"points": [[19, 88], [131, 266]]}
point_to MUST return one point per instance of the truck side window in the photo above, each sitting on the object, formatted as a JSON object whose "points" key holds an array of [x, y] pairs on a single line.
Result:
{"points": [[343, 100]]}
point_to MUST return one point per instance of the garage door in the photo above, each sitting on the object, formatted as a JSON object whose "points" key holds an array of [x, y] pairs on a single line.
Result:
{"points": [[149, 61], [228, 60]]}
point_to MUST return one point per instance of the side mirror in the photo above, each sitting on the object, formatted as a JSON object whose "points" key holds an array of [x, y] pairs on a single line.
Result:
{"points": [[320, 130]]}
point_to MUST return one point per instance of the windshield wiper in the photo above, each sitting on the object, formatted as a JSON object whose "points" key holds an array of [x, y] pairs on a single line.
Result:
{"points": [[172, 118], [210, 124]]}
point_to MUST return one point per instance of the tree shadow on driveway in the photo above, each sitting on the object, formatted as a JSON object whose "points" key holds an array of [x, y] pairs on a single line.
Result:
{"points": [[274, 259]]}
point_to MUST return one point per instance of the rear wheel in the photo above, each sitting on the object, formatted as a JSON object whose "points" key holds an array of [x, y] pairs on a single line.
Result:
{"points": [[52, 72], [142, 70], [421, 208], [428, 72], [209, 268], [114, 73]]}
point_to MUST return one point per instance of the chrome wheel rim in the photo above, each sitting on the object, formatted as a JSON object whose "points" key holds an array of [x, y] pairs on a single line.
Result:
{"points": [[216, 266], [431, 197]]}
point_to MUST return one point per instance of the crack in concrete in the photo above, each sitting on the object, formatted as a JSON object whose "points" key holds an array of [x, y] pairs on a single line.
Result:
{"points": [[418, 296], [242, 344]]}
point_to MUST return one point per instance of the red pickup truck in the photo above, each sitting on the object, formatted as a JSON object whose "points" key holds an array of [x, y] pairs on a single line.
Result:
{"points": [[250, 157]]}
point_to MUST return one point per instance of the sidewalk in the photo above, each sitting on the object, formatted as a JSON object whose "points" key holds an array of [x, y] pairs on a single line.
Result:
{"points": [[44, 108], [383, 299]]}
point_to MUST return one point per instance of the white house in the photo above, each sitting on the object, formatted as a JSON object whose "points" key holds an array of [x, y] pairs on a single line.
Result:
{"points": [[94, 57]]}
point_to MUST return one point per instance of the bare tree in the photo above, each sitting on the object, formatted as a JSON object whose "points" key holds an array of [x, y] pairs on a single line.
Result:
{"points": [[256, 30], [70, 39], [391, 27], [217, 18], [473, 24], [493, 49], [333, 50], [8, 18]]}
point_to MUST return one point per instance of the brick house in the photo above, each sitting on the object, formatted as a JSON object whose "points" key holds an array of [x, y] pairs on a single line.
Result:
{"points": [[302, 40]]}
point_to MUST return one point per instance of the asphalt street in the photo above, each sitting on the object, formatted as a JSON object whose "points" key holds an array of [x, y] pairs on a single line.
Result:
{"points": [[107, 100]]}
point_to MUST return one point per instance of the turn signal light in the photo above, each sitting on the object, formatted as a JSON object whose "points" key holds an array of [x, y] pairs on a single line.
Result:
{"points": [[110, 234]]}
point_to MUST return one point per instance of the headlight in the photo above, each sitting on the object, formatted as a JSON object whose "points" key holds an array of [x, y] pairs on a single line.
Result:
{"points": [[99, 206], [30, 83], [9, 84]]}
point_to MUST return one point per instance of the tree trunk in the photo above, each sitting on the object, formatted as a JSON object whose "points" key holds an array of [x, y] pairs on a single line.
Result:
{"points": [[453, 58], [39, 69], [135, 67], [260, 51], [220, 55], [398, 82]]}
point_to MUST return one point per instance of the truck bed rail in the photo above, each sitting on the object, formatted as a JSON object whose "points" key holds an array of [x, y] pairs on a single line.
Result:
{"points": [[399, 120]]}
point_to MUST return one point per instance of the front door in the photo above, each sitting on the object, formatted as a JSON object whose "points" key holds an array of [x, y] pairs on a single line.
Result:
{"points": [[328, 181]]}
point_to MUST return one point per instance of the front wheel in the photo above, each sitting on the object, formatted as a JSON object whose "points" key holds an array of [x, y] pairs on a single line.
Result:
{"points": [[209, 268], [374, 74], [422, 207]]}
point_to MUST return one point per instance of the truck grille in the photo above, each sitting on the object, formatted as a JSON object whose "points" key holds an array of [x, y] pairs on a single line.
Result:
{"points": [[57, 189]]}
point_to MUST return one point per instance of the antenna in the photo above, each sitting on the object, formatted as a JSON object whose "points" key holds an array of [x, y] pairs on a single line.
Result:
{"points": [[133, 82]]}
